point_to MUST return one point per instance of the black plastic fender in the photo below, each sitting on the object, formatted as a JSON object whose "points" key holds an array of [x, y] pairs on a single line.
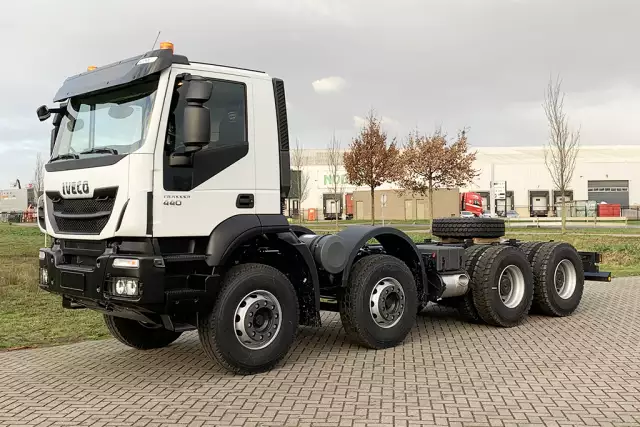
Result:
{"points": [[233, 232], [300, 230], [394, 242]]}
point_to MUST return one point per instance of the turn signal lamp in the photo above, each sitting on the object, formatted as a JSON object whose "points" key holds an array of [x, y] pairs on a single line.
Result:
{"points": [[91, 67], [167, 46]]}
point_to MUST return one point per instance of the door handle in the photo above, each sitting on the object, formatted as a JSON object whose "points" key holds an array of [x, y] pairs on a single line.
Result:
{"points": [[244, 201]]}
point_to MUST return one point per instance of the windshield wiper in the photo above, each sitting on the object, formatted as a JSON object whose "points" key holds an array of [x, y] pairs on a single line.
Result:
{"points": [[64, 156], [100, 150]]}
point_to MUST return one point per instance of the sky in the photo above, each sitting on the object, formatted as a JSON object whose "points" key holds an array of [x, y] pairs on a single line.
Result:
{"points": [[476, 64]]}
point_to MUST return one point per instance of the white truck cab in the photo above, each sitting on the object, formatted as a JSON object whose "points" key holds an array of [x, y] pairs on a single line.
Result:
{"points": [[123, 126], [163, 198]]}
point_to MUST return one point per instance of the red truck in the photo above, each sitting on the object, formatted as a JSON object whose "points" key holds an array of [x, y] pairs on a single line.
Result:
{"points": [[471, 202]]}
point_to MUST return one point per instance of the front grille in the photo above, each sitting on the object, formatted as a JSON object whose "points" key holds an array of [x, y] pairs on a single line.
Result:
{"points": [[81, 226], [83, 206], [82, 216]]}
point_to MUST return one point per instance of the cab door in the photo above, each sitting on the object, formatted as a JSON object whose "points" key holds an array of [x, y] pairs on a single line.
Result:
{"points": [[192, 201]]}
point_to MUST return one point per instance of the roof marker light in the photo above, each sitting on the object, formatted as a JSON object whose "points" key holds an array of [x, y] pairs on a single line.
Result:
{"points": [[91, 67], [166, 45]]}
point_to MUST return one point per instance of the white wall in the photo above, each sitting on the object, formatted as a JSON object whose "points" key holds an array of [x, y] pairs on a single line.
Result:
{"points": [[522, 167]]}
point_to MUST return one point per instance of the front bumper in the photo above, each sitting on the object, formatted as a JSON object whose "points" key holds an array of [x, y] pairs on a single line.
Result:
{"points": [[88, 279], [95, 282]]}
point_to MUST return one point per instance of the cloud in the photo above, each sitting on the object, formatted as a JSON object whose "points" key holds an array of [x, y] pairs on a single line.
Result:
{"points": [[490, 77], [329, 84], [359, 122]]}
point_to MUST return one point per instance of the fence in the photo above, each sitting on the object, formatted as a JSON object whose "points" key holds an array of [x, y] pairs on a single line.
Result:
{"points": [[546, 213], [18, 217]]}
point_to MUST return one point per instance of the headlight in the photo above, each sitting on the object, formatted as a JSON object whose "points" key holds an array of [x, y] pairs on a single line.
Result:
{"points": [[125, 286], [44, 276], [126, 263], [41, 255]]}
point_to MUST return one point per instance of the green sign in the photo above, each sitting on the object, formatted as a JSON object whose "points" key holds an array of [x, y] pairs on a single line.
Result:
{"points": [[342, 180]]}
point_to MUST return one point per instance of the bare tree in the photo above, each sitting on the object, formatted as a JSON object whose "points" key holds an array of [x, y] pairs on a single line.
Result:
{"points": [[335, 161], [38, 177], [430, 162], [300, 180], [562, 151], [371, 159]]}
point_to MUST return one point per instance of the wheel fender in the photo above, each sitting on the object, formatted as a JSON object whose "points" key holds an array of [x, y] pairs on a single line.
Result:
{"points": [[300, 230], [395, 243], [235, 230]]}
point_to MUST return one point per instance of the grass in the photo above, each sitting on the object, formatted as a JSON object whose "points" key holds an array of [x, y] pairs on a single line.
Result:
{"points": [[32, 317], [28, 315]]}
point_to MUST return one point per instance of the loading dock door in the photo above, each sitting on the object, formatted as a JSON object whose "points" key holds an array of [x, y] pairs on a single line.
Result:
{"points": [[609, 191]]}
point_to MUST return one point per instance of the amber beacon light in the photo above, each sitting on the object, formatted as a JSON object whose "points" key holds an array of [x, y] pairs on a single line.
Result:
{"points": [[166, 45]]}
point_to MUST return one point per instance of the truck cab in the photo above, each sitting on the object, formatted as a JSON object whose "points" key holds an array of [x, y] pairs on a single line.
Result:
{"points": [[119, 150]]}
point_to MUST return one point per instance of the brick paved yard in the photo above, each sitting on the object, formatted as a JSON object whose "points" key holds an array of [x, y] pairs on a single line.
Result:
{"points": [[581, 370]]}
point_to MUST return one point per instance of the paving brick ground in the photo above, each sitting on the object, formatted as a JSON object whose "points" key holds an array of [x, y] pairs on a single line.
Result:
{"points": [[581, 370]]}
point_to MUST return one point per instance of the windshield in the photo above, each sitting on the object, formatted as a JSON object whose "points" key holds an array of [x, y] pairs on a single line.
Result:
{"points": [[113, 122]]}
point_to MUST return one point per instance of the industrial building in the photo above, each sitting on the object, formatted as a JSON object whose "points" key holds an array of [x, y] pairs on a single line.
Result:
{"points": [[603, 174]]}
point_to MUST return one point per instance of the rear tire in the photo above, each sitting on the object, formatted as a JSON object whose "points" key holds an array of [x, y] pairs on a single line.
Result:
{"points": [[530, 249], [467, 228], [466, 306], [503, 286], [138, 335], [254, 320], [379, 305], [558, 280]]}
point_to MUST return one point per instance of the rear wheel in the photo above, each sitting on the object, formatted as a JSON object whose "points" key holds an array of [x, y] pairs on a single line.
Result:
{"points": [[379, 305], [254, 320], [530, 249], [558, 279], [466, 307], [139, 335], [503, 286]]}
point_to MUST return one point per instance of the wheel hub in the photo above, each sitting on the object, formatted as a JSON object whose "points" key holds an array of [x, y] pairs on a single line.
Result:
{"points": [[387, 302], [565, 279], [257, 319], [505, 287], [511, 286]]}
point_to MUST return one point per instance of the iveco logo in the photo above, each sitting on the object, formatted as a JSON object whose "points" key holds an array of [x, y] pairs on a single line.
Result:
{"points": [[75, 188]]}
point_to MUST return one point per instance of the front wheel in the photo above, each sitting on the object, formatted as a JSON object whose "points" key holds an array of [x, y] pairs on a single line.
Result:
{"points": [[378, 307], [254, 320], [139, 335]]}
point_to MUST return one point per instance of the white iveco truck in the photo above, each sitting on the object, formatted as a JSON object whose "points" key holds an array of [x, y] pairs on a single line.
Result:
{"points": [[163, 198]]}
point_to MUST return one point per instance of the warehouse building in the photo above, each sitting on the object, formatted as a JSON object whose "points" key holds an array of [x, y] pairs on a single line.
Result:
{"points": [[603, 174]]}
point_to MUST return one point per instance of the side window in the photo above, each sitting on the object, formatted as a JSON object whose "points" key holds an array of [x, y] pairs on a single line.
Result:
{"points": [[228, 144]]}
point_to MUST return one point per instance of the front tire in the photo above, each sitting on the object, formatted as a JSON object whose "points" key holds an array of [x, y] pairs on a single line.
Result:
{"points": [[253, 322], [139, 335], [558, 280], [503, 286], [379, 305]]}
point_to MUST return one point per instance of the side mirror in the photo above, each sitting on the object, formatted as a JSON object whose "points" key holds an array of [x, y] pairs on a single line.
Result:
{"points": [[197, 118], [43, 113]]}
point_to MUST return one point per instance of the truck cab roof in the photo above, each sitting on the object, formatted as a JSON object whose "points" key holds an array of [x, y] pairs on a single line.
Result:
{"points": [[135, 68]]}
